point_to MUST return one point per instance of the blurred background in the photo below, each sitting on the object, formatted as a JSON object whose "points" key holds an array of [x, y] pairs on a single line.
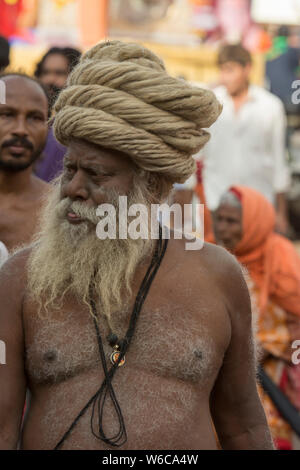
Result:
{"points": [[187, 34]]}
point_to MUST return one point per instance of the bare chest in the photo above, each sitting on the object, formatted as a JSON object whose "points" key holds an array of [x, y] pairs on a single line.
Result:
{"points": [[169, 340], [18, 223]]}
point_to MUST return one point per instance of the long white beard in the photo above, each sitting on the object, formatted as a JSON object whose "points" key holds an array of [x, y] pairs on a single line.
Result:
{"points": [[70, 258]]}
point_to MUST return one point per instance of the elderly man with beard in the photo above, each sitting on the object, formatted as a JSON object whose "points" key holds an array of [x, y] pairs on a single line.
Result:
{"points": [[124, 343], [23, 133]]}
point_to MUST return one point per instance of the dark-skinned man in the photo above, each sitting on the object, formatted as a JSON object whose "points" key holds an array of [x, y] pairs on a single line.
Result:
{"points": [[23, 132], [158, 322]]}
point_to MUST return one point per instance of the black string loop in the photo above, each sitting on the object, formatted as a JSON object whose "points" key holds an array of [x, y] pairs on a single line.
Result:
{"points": [[98, 400]]}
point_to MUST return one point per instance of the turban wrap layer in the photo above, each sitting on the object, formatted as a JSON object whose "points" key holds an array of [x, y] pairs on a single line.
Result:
{"points": [[120, 97]]}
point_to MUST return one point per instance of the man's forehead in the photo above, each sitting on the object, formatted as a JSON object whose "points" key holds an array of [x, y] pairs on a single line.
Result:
{"points": [[56, 59], [17, 88], [87, 153], [227, 208]]}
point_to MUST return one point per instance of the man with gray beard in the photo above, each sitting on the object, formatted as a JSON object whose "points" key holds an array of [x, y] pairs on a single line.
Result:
{"points": [[126, 343]]}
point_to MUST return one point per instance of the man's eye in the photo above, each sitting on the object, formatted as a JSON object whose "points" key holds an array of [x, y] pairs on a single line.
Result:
{"points": [[69, 171], [98, 176], [105, 175], [101, 178], [36, 118], [6, 114]]}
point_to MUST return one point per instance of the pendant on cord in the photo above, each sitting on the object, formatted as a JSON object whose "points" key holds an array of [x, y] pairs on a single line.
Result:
{"points": [[115, 356]]}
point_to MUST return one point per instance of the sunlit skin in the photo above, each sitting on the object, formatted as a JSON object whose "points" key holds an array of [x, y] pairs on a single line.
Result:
{"points": [[23, 133], [228, 226], [184, 329]]}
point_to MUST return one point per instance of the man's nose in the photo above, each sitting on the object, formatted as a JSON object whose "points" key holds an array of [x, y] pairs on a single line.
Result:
{"points": [[76, 188], [20, 127], [49, 78], [222, 228]]}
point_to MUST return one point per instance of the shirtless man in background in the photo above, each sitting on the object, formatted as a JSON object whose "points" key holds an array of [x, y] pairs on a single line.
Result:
{"points": [[191, 361], [23, 132]]}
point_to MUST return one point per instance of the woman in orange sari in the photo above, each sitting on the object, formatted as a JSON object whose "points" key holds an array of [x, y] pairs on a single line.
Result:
{"points": [[244, 224]]}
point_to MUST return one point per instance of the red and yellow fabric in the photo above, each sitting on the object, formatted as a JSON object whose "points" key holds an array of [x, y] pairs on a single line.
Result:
{"points": [[274, 337], [10, 12], [273, 266], [270, 258], [93, 21]]}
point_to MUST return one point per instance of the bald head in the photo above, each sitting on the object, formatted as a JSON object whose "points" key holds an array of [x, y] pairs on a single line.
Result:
{"points": [[22, 78]]}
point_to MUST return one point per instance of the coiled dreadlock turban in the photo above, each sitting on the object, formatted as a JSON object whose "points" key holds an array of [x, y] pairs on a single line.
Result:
{"points": [[120, 96]]}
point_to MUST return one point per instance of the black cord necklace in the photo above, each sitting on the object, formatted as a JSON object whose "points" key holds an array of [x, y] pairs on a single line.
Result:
{"points": [[97, 401]]}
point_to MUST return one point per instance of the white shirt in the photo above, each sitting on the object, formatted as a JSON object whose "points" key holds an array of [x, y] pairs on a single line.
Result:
{"points": [[246, 147]]}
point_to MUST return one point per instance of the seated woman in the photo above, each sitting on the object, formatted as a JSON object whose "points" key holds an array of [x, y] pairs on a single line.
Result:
{"points": [[244, 224]]}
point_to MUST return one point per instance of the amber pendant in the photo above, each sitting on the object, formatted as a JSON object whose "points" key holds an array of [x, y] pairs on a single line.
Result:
{"points": [[115, 356]]}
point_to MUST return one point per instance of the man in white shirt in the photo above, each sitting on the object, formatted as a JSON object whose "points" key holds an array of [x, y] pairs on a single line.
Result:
{"points": [[247, 143]]}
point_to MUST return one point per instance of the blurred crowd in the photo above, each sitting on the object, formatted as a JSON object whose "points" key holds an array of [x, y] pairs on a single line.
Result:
{"points": [[248, 178]]}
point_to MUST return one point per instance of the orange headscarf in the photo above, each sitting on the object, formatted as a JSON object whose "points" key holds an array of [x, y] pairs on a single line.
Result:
{"points": [[271, 259]]}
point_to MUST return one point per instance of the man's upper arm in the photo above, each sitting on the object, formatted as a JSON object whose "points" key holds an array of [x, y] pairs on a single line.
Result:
{"points": [[12, 376], [236, 408]]}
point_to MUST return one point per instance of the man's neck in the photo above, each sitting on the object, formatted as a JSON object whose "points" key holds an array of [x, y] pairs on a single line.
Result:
{"points": [[240, 97], [16, 182]]}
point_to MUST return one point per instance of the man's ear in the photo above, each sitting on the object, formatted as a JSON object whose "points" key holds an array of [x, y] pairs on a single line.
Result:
{"points": [[160, 186], [157, 186]]}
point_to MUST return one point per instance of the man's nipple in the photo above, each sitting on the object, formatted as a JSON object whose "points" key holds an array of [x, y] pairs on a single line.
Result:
{"points": [[50, 356]]}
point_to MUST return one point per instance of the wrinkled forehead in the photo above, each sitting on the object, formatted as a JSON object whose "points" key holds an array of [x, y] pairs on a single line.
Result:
{"points": [[82, 152]]}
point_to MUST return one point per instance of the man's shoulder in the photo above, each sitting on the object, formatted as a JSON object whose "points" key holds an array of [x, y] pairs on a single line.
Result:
{"points": [[212, 267], [213, 258], [15, 268], [266, 96], [218, 259], [13, 282], [40, 187]]}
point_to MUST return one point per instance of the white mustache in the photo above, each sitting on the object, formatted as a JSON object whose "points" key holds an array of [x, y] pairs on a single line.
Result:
{"points": [[79, 208]]}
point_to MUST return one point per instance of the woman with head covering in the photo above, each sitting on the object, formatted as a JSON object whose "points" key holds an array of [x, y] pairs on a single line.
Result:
{"points": [[244, 224]]}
